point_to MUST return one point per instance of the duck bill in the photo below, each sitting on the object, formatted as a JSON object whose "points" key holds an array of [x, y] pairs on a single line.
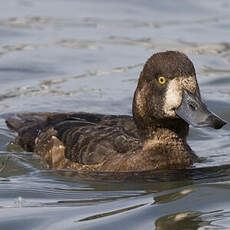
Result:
{"points": [[195, 112]]}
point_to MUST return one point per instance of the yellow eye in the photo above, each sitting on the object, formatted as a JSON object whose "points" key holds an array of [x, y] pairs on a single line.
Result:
{"points": [[161, 80]]}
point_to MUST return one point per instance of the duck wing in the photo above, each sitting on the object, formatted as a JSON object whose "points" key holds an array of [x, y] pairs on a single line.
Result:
{"points": [[85, 138]]}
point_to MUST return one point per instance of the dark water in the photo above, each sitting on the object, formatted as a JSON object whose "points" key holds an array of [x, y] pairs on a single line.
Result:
{"points": [[86, 56]]}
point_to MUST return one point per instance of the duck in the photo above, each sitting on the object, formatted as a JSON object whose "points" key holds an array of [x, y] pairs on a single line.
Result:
{"points": [[166, 101]]}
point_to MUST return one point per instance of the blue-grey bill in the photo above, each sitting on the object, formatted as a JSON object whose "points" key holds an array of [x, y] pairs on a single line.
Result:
{"points": [[195, 112]]}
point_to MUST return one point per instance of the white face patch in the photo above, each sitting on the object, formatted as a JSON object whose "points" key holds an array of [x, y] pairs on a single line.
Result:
{"points": [[174, 92]]}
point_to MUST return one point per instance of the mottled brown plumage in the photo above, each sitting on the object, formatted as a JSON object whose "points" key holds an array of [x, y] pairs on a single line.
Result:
{"points": [[155, 138]]}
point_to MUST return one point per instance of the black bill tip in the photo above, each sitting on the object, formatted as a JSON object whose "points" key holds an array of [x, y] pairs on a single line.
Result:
{"points": [[213, 121]]}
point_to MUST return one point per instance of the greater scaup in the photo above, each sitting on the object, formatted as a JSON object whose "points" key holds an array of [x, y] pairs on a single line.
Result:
{"points": [[167, 99]]}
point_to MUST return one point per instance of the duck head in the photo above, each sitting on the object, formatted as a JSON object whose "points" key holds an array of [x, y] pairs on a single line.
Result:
{"points": [[168, 96]]}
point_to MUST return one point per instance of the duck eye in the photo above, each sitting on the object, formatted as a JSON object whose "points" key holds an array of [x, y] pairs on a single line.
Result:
{"points": [[161, 80]]}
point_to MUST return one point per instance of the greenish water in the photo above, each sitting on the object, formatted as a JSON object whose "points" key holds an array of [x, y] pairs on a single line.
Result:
{"points": [[86, 56]]}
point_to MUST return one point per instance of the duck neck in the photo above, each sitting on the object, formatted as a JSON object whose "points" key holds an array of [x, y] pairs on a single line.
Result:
{"points": [[177, 127]]}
